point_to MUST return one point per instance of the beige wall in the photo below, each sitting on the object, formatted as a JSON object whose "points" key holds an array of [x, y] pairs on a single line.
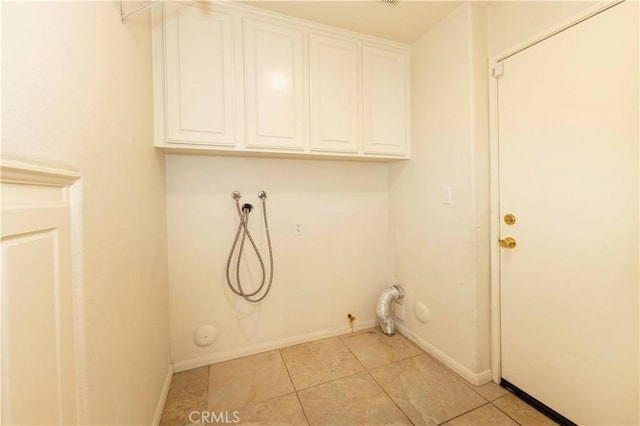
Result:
{"points": [[76, 93], [441, 250], [511, 23], [338, 266]]}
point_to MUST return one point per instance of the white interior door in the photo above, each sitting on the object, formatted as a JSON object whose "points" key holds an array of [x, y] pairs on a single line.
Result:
{"points": [[568, 148]]}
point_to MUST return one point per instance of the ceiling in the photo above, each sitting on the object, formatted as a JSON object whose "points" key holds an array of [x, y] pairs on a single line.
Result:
{"points": [[404, 22]]}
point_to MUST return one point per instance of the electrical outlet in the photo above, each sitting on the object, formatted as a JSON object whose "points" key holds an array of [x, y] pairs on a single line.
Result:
{"points": [[447, 195], [297, 228]]}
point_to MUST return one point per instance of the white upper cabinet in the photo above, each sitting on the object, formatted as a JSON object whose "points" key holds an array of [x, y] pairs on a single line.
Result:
{"points": [[334, 68], [199, 76], [233, 79], [273, 57], [385, 101]]}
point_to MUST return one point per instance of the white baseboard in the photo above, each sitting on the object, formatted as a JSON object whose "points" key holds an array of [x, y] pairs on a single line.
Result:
{"points": [[268, 346], [476, 379], [163, 396]]}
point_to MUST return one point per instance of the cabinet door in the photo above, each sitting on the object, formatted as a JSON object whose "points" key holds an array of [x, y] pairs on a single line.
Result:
{"points": [[275, 109], [38, 299], [199, 75], [335, 94], [385, 101]]}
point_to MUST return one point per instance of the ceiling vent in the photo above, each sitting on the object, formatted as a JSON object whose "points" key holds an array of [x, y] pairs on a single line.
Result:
{"points": [[392, 3]]}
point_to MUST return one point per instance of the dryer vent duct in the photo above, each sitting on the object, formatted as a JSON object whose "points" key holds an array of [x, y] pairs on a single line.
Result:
{"points": [[382, 308]]}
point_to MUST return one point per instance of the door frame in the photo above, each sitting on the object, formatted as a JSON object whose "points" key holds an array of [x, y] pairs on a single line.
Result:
{"points": [[494, 170]]}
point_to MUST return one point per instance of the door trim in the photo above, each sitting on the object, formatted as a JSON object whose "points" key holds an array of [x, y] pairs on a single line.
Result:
{"points": [[494, 184]]}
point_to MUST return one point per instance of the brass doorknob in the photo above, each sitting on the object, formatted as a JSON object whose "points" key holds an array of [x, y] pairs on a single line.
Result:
{"points": [[508, 243]]}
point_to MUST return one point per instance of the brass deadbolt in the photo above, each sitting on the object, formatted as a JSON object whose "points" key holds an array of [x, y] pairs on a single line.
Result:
{"points": [[508, 242], [509, 219]]}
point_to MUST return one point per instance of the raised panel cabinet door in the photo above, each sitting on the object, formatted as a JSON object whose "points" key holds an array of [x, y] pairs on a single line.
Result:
{"points": [[199, 75], [335, 90], [275, 108], [385, 101], [37, 300]]}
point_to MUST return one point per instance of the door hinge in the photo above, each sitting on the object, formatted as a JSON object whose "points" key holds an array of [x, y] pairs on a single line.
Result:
{"points": [[497, 70]]}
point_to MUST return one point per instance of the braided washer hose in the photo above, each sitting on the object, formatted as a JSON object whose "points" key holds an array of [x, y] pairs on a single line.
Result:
{"points": [[243, 229]]}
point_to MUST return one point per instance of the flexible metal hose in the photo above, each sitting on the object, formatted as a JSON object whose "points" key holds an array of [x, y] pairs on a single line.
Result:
{"points": [[243, 228], [382, 308]]}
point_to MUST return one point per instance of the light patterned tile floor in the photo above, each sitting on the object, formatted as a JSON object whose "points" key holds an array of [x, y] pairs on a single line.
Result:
{"points": [[237, 383], [318, 362], [362, 378], [352, 400], [426, 391]]}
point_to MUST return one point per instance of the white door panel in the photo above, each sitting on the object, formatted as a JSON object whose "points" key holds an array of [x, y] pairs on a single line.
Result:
{"points": [[384, 101], [335, 94], [568, 146], [199, 72], [274, 83]]}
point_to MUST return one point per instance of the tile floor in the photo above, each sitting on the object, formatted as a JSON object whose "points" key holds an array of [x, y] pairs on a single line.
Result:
{"points": [[362, 378]]}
